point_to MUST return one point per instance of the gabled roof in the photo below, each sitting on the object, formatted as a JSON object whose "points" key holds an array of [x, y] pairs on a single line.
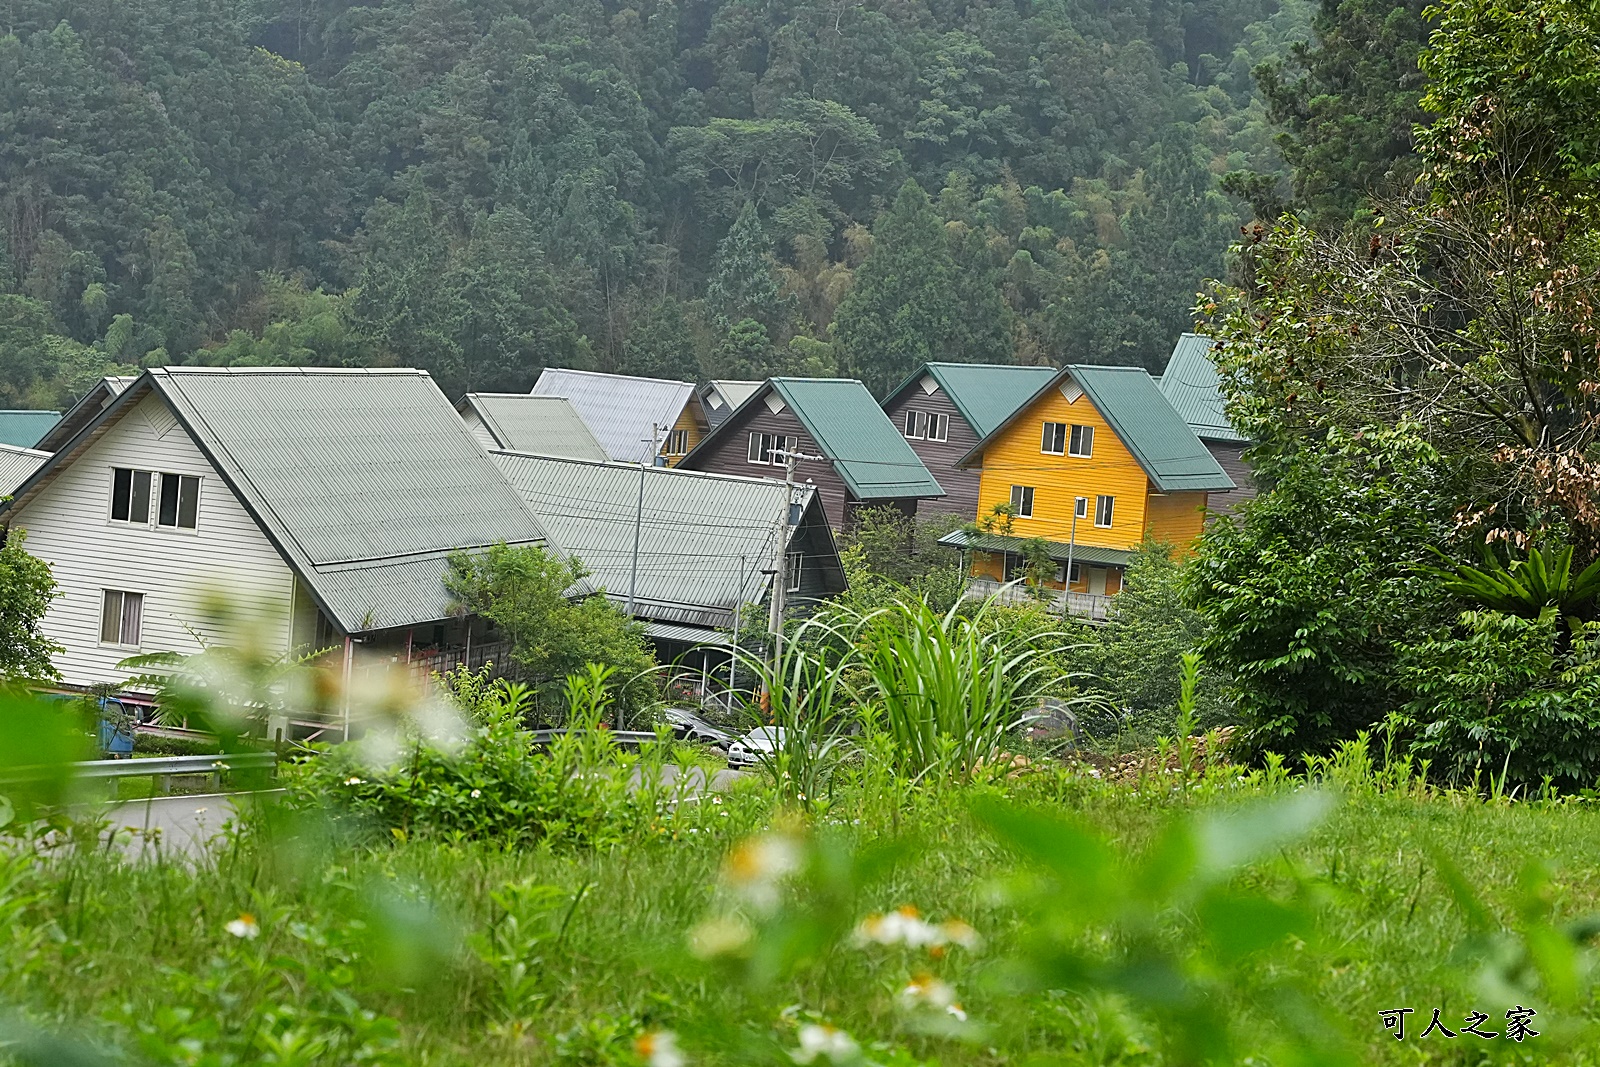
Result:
{"points": [[16, 464], [1171, 455], [24, 428], [619, 409], [540, 425], [701, 538], [365, 480], [985, 393], [719, 397], [84, 411], [868, 452], [1190, 385]]}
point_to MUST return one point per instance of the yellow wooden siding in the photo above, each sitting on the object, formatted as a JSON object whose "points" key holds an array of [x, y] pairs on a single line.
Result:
{"points": [[1177, 518], [1015, 458], [695, 430]]}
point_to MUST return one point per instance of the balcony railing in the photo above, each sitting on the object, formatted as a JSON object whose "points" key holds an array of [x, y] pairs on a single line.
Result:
{"points": [[1091, 606]]}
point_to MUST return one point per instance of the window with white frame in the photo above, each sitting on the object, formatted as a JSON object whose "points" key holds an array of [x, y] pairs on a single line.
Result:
{"points": [[1022, 501], [925, 426], [121, 617], [1053, 441], [1102, 510], [767, 448], [794, 564], [1080, 507], [1082, 441], [176, 498], [677, 443]]}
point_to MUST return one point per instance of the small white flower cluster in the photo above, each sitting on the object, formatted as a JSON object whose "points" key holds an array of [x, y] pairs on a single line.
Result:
{"points": [[244, 927], [819, 1041], [756, 868], [926, 991], [659, 1048], [353, 780], [905, 926]]}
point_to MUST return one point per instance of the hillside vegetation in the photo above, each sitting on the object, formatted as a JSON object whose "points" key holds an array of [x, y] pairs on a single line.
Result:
{"points": [[480, 188]]}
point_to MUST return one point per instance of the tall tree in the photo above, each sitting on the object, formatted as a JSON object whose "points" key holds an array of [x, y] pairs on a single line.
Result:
{"points": [[907, 305]]}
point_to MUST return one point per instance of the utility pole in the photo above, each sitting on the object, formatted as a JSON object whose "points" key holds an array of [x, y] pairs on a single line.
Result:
{"points": [[780, 564], [638, 518], [1072, 544], [738, 620], [638, 525]]}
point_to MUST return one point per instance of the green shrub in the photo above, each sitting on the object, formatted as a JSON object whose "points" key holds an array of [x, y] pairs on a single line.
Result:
{"points": [[495, 784], [1508, 698]]}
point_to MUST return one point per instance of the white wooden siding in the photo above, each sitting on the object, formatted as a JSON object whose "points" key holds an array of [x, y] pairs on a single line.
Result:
{"points": [[69, 527]]}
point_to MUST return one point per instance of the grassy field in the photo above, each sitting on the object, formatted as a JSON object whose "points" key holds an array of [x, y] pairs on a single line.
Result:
{"points": [[292, 947]]}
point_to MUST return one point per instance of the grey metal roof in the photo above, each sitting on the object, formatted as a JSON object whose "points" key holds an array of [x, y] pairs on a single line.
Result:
{"points": [[688, 635], [1190, 385], [16, 464], [82, 413], [721, 395], [540, 425], [366, 480], [619, 409], [696, 530]]}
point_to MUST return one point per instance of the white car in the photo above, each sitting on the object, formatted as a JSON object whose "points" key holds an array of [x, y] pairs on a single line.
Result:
{"points": [[749, 749]]}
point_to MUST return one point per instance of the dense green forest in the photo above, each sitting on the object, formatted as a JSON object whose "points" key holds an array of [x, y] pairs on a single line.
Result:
{"points": [[700, 188]]}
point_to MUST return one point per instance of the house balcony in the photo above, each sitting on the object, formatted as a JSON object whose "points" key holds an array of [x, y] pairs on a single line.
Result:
{"points": [[1093, 607]]}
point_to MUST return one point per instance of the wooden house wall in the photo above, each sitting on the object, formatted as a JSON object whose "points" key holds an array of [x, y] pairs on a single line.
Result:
{"points": [[1015, 458], [729, 455], [960, 486], [1230, 455]]}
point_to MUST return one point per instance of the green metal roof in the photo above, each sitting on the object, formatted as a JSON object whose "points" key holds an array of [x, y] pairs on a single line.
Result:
{"points": [[540, 425], [704, 538], [1059, 550], [870, 455], [986, 394], [1171, 455], [1190, 385], [24, 428]]}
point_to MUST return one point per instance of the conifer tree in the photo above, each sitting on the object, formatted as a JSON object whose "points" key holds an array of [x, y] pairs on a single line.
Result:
{"points": [[909, 301]]}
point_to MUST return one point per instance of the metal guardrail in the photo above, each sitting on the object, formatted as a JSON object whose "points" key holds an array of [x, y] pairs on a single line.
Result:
{"points": [[621, 737], [158, 765]]}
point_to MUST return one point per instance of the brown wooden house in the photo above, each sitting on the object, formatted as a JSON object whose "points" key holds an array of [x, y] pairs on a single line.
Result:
{"points": [[864, 460], [944, 409]]}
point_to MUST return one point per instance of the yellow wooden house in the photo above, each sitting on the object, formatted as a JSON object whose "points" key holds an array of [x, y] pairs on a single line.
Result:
{"points": [[1093, 463]]}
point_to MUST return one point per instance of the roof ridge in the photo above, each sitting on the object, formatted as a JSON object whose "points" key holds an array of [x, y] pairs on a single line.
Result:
{"points": [[188, 369], [612, 374], [623, 465]]}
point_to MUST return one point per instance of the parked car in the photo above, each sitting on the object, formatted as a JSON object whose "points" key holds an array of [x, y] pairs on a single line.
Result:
{"points": [[749, 749], [687, 726]]}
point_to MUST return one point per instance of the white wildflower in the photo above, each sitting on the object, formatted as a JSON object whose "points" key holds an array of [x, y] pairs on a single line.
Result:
{"points": [[476, 793], [756, 867], [926, 991], [244, 927], [353, 780], [659, 1048], [817, 1040]]}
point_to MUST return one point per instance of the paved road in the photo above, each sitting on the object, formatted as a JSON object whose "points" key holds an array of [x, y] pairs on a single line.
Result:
{"points": [[182, 825]]}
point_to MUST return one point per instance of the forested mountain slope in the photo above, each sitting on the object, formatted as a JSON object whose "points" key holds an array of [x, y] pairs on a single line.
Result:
{"points": [[707, 187]]}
